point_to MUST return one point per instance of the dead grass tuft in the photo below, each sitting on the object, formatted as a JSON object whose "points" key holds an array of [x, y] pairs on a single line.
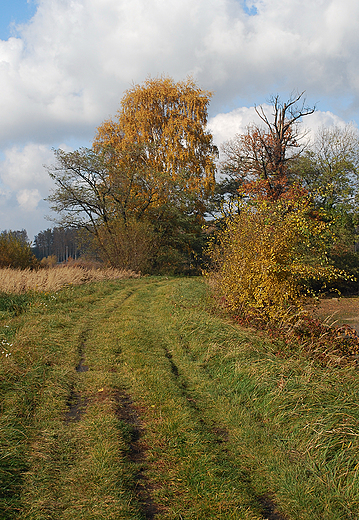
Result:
{"points": [[18, 281]]}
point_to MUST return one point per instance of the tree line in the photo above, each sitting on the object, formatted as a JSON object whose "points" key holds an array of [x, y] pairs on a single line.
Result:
{"points": [[58, 243], [145, 195], [63, 243]]}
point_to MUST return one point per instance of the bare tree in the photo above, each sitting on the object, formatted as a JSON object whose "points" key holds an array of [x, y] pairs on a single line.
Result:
{"points": [[259, 158], [283, 129]]}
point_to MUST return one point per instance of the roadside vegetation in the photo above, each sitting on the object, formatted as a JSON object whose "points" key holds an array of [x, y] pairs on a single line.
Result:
{"points": [[286, 234], [17, 281]]}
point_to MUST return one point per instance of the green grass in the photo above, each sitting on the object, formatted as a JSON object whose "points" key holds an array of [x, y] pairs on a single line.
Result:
{"points": [[14, 304], [180, 415]]}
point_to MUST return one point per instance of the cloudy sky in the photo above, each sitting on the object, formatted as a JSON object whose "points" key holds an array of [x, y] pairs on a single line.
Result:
{"points": [[64, 65]]}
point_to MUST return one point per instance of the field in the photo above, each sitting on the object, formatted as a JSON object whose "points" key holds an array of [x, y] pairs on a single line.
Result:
{"points": [[339, 311], [136, 399]]}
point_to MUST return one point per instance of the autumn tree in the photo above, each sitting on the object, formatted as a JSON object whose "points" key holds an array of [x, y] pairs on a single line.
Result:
{"points": [[294, 225], [167, 122], [272, 249], [329, 171], [142, 189], [87, 198], [258, 160], [15, 250], [329, 168]]}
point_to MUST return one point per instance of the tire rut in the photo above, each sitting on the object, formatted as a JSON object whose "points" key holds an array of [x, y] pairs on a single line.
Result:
{"points": [[266, 505], [128, 414], [269, 509], [77, 403], [218, 431]]}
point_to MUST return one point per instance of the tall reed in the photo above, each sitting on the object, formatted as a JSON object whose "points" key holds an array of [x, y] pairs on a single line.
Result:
{"points": [[18, 281]]}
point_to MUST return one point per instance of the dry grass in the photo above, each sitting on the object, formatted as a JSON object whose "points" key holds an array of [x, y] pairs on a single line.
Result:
{"points": [[17, 281]]}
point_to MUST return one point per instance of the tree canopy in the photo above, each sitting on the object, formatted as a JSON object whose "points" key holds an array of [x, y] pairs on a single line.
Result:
{"points": [[147, 178], [329, 168], [167, 122]]}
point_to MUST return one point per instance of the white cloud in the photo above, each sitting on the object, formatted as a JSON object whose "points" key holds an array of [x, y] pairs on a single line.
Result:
{"points": [[68, 68], [25, 183], [314, 122], [66, 71], [225, 126], [23, 168], [28, 199]]}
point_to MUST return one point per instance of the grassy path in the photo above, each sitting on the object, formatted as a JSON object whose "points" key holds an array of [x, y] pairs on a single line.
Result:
{"points": [[130, 400]]}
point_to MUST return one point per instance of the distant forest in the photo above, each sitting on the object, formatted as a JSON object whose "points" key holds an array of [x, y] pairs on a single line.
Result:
{"points": [[64, 243]]}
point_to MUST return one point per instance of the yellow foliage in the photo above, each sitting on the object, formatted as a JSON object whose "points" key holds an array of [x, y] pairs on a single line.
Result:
{"points": [[166, 121], [49, 261], [15, 252], [267, 257]]}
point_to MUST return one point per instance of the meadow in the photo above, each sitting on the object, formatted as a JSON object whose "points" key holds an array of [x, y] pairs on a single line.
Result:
{"points": [[136, 398]]}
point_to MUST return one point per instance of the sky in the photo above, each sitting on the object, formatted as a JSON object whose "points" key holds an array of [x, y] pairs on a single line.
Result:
{"points": [[65, 64]]}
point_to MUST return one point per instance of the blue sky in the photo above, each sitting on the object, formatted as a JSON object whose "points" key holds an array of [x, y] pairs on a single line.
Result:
{"points": [[64, 69], [14, 12], [248, 8]]}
